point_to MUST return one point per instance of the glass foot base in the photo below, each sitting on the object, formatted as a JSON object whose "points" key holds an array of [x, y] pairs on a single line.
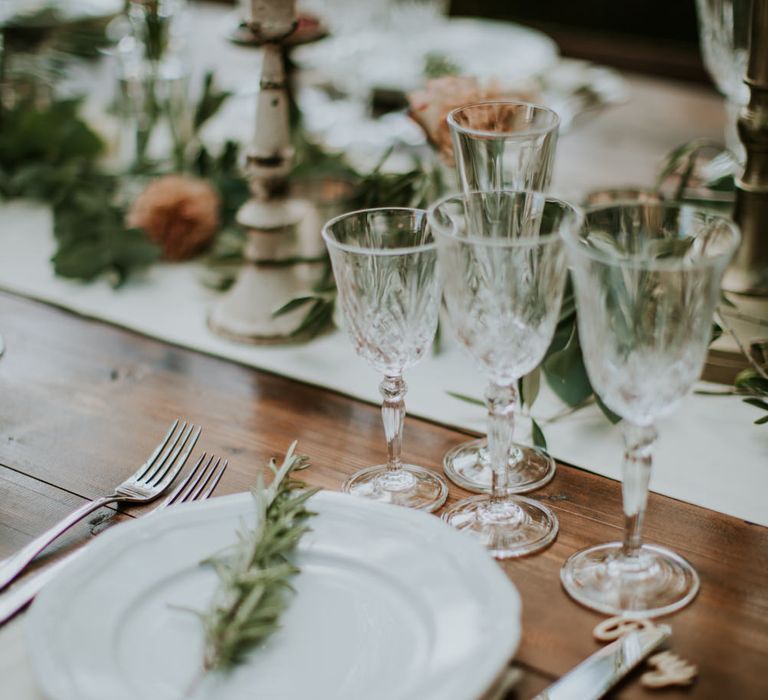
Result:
{"points": [[467, 465], [655, 582], [411, 486], [513, 527]]}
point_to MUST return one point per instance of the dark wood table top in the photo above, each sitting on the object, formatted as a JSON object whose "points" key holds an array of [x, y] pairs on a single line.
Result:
{"points": [[81, 403]]}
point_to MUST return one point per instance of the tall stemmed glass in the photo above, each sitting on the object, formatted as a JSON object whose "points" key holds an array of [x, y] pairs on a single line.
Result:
{"points": [[647, 278], [724, 29], [503, 270], [384, 263], [502, 145]]}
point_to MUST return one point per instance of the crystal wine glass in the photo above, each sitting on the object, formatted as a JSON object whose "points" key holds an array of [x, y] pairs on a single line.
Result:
{"points": [[647, 278], [502, 145], [724, 28], [503, 270], [384, 263]]}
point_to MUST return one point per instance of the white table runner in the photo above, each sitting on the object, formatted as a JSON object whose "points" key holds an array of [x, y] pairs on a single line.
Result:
{"points": [[710, 453]]}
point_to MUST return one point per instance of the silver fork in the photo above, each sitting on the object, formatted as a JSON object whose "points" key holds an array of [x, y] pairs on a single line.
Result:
{"points": [[198, 485], [144, 485]]}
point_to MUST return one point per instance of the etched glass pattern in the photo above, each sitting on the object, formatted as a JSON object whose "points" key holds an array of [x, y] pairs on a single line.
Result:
{"points": [[384, 262], [647, 279], [503, 270]]}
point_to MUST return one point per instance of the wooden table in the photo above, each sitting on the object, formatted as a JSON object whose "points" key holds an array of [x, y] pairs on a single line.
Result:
{"points": [[83, 403]]}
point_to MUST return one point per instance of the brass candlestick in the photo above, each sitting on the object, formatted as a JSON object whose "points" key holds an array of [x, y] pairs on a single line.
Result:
{"points": [[749, 272]]}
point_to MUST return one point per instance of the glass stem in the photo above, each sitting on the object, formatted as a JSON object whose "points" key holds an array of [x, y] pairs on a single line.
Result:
{"points": [[501, 402], [638, 447], [393, 414]]}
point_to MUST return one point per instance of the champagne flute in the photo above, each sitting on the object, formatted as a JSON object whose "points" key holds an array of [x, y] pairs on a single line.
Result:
{"points": [[384, 263], [502, 145], [647, 279], [503, 270]]}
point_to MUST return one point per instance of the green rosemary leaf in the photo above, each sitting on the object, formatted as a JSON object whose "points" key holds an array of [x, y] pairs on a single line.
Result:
{"points": [[254, 576]]}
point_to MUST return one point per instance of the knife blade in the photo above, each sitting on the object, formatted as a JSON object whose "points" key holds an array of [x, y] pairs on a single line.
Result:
{"points": [[20, 594], [595, 676]]}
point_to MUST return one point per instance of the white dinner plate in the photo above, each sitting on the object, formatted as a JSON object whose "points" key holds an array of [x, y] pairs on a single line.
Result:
{"points": [[391, 604], [396, 60]]}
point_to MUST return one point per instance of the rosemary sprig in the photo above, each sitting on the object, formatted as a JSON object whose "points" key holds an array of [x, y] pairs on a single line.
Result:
{"points": [[254, 579]]}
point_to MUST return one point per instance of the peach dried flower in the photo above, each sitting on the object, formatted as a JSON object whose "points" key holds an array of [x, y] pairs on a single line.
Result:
{"points": [[179, 213], [430, 107]]}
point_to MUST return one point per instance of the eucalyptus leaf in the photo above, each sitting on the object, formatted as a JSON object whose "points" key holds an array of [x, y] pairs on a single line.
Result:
{"points": [[529, 387], [607, 412], [681, 156], [538, 435], [209, 103], [725, 183], [437, 65], [565, 372], [437, 342], [749, 380], [83, 259], [467, 399], [51, 136], [319, 318]]}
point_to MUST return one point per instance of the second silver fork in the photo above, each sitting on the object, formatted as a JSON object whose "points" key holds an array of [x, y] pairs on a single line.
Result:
{"points": [[144, 485], [198, 485]]}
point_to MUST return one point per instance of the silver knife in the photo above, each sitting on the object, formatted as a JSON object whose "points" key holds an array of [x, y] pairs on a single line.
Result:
{"points": [[593, 678], [17, 596]]}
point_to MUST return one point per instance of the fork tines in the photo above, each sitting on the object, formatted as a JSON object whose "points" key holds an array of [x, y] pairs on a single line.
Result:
{"points": [[165, 455], [200, 482]]}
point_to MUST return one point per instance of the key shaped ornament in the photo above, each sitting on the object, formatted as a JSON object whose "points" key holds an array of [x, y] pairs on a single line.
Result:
{"points": [[668, 668]]}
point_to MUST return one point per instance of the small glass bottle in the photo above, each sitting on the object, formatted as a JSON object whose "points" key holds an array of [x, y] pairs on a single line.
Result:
{"points": [[152, 87]]}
